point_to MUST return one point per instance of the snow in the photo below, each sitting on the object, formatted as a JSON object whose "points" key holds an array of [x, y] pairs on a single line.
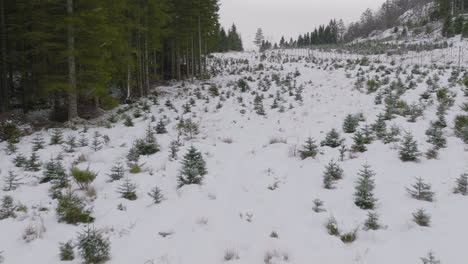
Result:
{"points": [[234, 209]]}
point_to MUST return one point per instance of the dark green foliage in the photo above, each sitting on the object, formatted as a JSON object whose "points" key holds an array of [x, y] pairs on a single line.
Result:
{"points": [[71, 209], [461, 127], [92, 246], [309, 149], [435, 136], [343, 149], [83, 141], [9, 131], [156, 195], [188, 128], [96, 144], [392, 135], [243, 85], [380, 127], [7, 208], [11, 147], [70, 144], [318, 206], [332, 173], [161, 127], [430, 259], [349, 237], [332, 139], [38, 143], [359, 142], [409, 149], [66, 251], [173, 149], [127, 190], [11, 182], [364, 196], [372, 221], [117, 172], [20, 161], [462, 184], [421, 191], [458, 25], [54, 171], [33, 163], [128, 121], [350, 124], [422, 218], [83, 177], [332, 227], [193, 168]]}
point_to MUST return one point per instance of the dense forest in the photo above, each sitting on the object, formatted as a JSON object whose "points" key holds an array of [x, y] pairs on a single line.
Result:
{"points": [[73, 56]]}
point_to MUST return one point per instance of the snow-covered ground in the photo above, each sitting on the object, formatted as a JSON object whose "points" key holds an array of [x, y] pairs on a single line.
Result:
{"points": [[255, 185]]}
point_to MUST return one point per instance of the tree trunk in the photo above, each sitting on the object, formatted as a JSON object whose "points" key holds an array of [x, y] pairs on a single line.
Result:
{"points": [[199, 47], [4, 93], [72, 93]]}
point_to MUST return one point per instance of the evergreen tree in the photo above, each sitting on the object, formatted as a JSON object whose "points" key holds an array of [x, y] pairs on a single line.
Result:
{"points": [[92, 246], [309, 149], [421, 191], [117, 172], [430, 259], [66, 251], [128, 190], [53, 170], [12, 182], [96, 144], [409, 148], [83, 177], [435, 136], [380, 127], [71, 209], [259, 38], [7, 208], [363, 196], [156, 195], [83, 141], [333, 170], [38, 143], [332, 139], [350, 124], [70, 144], [20, 161], [318, 206], [359, 142], [33, 163], [173, 149], [193, 168], [422, 218], [462, 184], [161, 127], [372, 221], [57, 137]]}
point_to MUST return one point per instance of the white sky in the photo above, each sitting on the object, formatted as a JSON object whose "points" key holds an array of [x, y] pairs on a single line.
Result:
{"points": [[288, 17]]}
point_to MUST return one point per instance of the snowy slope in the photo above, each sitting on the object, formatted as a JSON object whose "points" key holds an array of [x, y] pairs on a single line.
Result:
{"points": [[234, 209]]}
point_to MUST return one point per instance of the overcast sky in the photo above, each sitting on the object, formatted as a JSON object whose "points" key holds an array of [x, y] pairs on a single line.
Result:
{"points": [[288, 17]]}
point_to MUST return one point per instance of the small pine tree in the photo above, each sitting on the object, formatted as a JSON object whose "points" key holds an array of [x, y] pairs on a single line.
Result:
{"points": [[83, 141], [161, 127], [318, 206], [364, 197], [57, 137], [193, 168], [96, 144], [11, 147], [422, 218], [462, 184], [12, 182], [66, 251], [392, 135], [421, 191], [92, 246], [343, 150], [380, 127], [70, 144], [33, 163], [173, 149], [333, 170], [128, 190], [71, 209], [332, 227], [38, 143], [117, 172], [128, 121], [409, 148], [435, 136], [332, 139], [52, 169], [368, 134], [156, 195], [350, 124], [20, 161], [372, 221], [430, 259], [359, 142], [7, 208], [309, 149]]}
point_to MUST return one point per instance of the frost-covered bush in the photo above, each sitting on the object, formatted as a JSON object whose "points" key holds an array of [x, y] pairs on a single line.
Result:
{"points": [[83, 177], [72, 209], [93, 247]]}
